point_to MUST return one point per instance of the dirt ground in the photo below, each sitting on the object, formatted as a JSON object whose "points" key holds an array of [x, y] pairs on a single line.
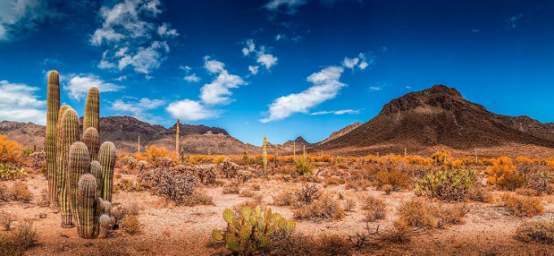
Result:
{"points": [[178, 230]]}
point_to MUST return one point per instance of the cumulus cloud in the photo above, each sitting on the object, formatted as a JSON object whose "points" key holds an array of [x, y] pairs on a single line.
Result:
{"points": [[336, 112], [249, 47], [190, 110], [253, 69], [78, 85], [361, 62], [19, 102], [192, 78], [18, 14], [138, 108], [218, 91], [267, 60], [325, 86], [261, 55], [132, 36]]}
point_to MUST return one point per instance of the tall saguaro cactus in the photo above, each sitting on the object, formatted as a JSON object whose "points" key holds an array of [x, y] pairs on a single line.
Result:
{"points": [[177, 139], [91, 138], [264, 154], [92, 110], [294, 149], [106, 157], [86, 207], [68, 133], [53, 100], [79, 164]]}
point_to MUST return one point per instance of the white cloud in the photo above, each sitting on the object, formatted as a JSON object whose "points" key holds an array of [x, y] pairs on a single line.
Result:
{"points": [[267, 60], [325, 86], [20, 14], [132, 36], [361, 62], [290, 6], [336, 112], [375, 88], [253, 69], [250, 47], [219, 90], [138, 108], [190, 110], [192, 78], [78, 85], [19, 102]]}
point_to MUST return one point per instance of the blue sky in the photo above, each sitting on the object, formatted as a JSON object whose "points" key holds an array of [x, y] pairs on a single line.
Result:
{"points": [[281, 68]]}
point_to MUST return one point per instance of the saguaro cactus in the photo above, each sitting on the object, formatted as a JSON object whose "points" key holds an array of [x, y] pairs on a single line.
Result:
{"points": [[92, 110], [264, 154], [50, 141], [294, 149], [96, 171], [79, 164], [88, 222], [68, 133], [177, 139], [106, 157], [91, 138]]}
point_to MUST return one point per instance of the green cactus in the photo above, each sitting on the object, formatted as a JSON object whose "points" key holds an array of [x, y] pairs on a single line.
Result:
{"points": [[251, 230], [50, 141], [68, 133], [96, 171], [106, 157], [92, 140], [79, 164], [88, 222], [264, 154], [92, 110]]}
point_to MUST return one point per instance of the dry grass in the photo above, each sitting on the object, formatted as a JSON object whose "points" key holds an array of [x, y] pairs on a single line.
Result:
{"points": [[375, 209], [17, 242], [541, 231], [231, 188], [522, 206], [285, 198], [394, 178], [325, 207], [6, 220], [420, 213], [198, 197], [20, 192], [131, 224]]}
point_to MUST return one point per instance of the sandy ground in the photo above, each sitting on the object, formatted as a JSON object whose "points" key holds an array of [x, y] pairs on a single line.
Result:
{"points": [[171, 230]]}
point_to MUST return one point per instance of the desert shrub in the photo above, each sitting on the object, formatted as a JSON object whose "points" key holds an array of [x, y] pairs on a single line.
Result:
{"points": [[172, 183], [252, 230], [420, 213], [333, 244], [325, 207], [131, 224], [11, 152], [17, 242], [308, 193], [504, 174], [540, 181], [447, 184], [247, 193], [128, 184], [285, 198], [6, 220], [231, 188], [395, 178], [5, 194], [198, 197], [375, 209], [158, 156], [480, 194], [11, 172], [303, 167], [20, 192], [38, 161], [522, 206], [541, 231], [229, 169], [441, 157]]}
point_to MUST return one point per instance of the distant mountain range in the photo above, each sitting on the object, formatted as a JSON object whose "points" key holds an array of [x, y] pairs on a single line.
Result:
{"points": [[438, 116]]}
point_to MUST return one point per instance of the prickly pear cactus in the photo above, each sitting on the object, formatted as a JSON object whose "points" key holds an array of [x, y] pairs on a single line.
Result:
{"points": [[106, 157], [50, 141], [251, 231], [88, 222], [79, 164], [92, 139], [68, 133], [92, 110]]}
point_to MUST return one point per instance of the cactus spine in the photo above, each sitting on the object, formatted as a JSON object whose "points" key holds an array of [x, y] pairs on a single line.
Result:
{"points": [[79, 164], [51, 123], [264, 154], [106, 157], [92, 110], [68, 133], [177, 139], [91, 138], [88, 222]]}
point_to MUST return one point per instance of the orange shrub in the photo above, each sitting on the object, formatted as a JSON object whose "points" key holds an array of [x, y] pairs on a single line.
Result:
{"points": [[153, 154], [504, 174], [11, 152], [441, 157]]}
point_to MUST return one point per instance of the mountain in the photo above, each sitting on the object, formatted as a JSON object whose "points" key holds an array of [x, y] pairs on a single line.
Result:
{"points": [[439, 116], [124, 132], [340, 132]]}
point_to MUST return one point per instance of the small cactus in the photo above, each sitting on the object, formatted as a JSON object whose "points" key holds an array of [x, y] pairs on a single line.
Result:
{"points": [[68, 133], [88, 222], [92, 110], [79, 164], [106, 157], [92, 139], [50, 141], [105, 222]]}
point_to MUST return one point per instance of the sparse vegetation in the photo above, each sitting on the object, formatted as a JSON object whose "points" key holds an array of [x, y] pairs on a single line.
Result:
{"points": [[375, 209], [522, 206], [541, 231], [447, 184], [420, 213]]}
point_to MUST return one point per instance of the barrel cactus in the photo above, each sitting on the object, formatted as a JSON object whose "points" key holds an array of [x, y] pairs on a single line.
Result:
{"points": [[68, 133], [79, 164], [53, 101], [92, 139], [88, 222], [106, 157], [92, 110]]}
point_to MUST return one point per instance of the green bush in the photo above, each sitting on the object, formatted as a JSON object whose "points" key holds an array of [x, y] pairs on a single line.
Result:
{"points": [[252, 230], [447, 184], [303, 167], [9, 172]]}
